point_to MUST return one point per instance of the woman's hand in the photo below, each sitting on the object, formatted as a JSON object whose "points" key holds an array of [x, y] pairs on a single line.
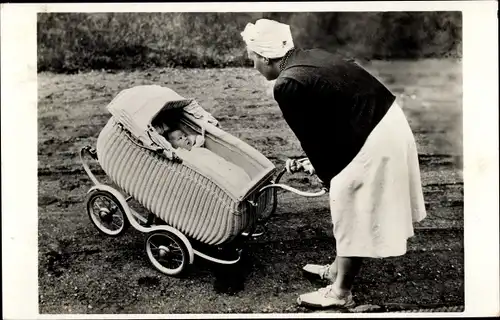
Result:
{"points": [[293, 165], [307, 166]]}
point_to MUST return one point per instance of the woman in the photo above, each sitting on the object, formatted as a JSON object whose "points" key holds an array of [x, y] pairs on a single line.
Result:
{"points": [[373, 176]]}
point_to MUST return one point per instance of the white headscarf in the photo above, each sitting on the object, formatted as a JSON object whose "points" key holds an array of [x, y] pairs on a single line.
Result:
{"points": [[269, 38]]}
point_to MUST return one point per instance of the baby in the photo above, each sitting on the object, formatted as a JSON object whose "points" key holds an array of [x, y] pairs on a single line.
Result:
{"points": [[178, 139], [203, 158]]}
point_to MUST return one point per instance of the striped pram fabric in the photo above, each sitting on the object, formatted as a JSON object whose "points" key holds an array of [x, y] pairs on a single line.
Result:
{"points": [[179, 195]]}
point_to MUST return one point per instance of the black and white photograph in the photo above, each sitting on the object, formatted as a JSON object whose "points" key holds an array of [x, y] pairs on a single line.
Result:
{"points": [[303, 161]]}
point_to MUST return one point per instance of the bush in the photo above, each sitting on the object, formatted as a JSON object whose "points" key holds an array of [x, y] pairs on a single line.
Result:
{"points": [[71, 42]]}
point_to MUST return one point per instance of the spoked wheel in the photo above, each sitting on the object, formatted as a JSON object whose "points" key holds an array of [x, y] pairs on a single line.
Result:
{"points": [[106, 213], [167, 252]]}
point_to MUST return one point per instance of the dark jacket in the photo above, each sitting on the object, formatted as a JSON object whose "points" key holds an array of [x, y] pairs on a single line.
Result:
{"points": [[331, 105]]}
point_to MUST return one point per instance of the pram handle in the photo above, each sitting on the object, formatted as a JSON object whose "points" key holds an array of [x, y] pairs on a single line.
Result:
{"points": [[296, 191], [276, 184]]}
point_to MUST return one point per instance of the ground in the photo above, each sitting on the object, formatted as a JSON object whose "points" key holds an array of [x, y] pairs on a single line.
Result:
{"points": [[81, 271]]}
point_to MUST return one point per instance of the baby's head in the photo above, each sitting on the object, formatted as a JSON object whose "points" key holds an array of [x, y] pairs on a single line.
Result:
{"points": [[179, 139]]}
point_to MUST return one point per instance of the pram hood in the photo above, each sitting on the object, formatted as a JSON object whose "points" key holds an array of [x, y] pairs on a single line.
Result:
{"points": [[135, 109]]}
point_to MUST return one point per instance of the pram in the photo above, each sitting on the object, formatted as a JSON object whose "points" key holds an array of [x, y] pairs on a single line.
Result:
{"points": [[186, 205]]}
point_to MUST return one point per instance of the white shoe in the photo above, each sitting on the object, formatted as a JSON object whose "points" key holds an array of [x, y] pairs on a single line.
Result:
{"points": [[320, 270], [325, 298]]}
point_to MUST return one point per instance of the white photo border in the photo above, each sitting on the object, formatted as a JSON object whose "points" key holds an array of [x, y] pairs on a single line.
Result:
{"points": [[19, 146]]}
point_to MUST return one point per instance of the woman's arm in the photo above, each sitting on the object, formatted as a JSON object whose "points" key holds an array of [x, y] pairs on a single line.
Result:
{"points": [[299, 111]]}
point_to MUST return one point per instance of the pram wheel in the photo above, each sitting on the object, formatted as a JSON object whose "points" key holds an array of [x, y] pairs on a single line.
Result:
{"points": [[166, 252], [106, 213]]}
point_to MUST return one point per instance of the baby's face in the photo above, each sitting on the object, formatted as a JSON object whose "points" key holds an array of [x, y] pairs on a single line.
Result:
{"points": [[179, 139]]}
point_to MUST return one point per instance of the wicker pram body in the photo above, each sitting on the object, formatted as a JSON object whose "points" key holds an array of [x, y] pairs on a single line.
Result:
{"points": [[182, 195]]}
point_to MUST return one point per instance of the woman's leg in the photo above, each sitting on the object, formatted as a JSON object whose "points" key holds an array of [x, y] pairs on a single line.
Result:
{"points": [[347, 268], [333, 269]]}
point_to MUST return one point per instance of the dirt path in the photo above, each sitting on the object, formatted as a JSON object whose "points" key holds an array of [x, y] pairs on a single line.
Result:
{"points": [[81, 271]]}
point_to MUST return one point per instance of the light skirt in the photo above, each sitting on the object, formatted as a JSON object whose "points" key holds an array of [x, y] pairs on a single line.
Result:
{"points": [[376, 199]]}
